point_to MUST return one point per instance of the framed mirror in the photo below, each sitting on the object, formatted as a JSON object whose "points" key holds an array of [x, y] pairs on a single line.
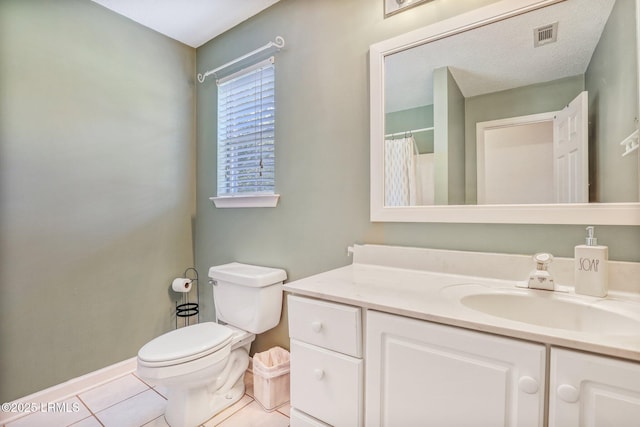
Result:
{"points": [[523, 111]]}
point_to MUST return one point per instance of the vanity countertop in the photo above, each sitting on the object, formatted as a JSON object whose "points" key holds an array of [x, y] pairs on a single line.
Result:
{"points": [[426, 295]]}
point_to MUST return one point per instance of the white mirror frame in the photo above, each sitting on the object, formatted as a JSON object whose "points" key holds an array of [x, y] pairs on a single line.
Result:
{"points": [[581, 213]]}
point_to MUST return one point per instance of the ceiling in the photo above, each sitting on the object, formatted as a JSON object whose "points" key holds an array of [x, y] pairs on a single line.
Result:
{"points": [[192, 22], [499, 56]]}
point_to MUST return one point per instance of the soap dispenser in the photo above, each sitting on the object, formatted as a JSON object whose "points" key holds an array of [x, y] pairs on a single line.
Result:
{"points": [[591, 270]]}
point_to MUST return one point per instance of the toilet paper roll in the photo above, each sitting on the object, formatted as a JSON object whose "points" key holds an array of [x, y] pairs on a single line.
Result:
{"points": [[181, 285]]}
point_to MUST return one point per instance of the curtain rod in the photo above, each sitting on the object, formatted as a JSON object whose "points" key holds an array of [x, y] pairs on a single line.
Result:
{"points": [[278, 44], [408, 132]]}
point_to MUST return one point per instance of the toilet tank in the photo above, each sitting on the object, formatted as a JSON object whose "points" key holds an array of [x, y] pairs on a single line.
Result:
{"points": [[246, 296]]}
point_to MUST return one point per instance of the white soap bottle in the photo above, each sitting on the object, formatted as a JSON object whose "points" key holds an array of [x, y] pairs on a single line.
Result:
{"points": [[591, 269]]}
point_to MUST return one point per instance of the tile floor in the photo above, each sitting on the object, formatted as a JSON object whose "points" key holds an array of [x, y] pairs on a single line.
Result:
{"points": [[128, 402]]}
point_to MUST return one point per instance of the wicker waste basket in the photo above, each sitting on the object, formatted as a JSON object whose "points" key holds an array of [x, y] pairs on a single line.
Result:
{"points": [[271, 377]]}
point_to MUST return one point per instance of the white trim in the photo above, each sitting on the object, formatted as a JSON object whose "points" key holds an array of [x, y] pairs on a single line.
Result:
{"points": [[586, 213], [582, 213], [73, 387], [248, 201]]}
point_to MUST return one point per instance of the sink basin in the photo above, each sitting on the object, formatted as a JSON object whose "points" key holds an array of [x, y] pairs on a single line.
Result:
{"points": [[553, 309]]}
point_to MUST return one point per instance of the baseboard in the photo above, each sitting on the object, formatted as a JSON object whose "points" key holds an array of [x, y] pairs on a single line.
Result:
{"points": [[72, 387]]}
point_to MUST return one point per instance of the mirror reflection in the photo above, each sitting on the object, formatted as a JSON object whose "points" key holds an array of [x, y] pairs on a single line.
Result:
{"points": [[532, 109], [391, 7]]}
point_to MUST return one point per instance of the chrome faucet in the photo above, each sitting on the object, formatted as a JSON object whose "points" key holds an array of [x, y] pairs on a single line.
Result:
{"points": [[540, 278]]}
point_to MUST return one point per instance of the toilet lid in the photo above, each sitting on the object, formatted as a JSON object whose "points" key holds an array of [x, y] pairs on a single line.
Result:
{"points": [[188, 342]]}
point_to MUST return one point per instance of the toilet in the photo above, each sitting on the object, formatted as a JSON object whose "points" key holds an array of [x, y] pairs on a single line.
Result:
{"points": [[202, 366]]}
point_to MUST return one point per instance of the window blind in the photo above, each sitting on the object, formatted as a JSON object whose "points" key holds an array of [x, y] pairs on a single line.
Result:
{"points": [[246, 131]]}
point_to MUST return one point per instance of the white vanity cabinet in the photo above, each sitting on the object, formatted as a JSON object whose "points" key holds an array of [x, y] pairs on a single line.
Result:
{"points": [[326, 363], [422, 373], [395, 329], [594, 391]]}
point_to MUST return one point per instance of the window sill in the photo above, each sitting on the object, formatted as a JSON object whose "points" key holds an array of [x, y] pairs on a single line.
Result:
{"points": [[249, 201]]}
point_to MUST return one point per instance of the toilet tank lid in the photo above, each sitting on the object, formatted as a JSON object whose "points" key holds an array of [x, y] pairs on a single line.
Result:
{"points": [[247, 275]]}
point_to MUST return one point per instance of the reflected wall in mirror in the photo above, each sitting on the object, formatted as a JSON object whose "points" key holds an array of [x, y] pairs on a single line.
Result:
{"points": [[519, 103]]}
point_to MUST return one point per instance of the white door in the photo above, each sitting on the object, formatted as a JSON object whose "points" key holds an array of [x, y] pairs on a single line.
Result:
{"points": [[515, 160], [571, 152], [424, 374], [593, 391]]}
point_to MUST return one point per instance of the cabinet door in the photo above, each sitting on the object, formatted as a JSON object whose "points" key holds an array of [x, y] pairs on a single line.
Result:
{"points": [[593, 391], [421, 373]]}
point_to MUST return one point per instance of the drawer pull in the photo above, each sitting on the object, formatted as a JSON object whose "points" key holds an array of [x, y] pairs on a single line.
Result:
{"points": [[568, 393], [319, 374], [316, 326], [528, 385]]}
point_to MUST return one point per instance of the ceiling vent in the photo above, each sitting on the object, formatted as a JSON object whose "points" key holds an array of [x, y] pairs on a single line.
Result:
{"points": [[545, 35]]}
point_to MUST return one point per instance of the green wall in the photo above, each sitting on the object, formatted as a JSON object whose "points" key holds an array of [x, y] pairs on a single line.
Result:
{"points": [[322, 147], [613, 108], [97, 188], [413, 118], [449, 114]]}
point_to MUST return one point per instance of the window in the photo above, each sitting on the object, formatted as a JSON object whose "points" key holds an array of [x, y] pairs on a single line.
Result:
{"points": [[246, 133]]}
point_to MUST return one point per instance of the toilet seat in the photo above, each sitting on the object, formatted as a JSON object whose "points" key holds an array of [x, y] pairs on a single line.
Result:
{"points": [[185, 344]]}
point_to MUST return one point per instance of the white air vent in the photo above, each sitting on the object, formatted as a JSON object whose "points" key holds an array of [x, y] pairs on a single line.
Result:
{"points": [[545, 35]]}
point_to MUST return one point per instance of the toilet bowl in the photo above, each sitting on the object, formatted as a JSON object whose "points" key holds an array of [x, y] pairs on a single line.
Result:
{"points": [[202, 366]]}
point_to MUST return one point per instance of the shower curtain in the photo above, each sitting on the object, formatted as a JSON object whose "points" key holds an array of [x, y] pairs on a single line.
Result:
{"points": [[400, 180]]}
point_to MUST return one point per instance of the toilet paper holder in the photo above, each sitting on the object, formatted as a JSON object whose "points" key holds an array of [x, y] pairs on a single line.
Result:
{"points": [[188, 309]]}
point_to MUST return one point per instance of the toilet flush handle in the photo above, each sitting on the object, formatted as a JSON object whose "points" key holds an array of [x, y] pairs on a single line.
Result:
{"points": [[213, 282]]}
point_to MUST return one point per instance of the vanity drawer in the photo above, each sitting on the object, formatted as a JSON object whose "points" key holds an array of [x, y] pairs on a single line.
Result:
{"points": [[326, 385], [334, 326]]}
